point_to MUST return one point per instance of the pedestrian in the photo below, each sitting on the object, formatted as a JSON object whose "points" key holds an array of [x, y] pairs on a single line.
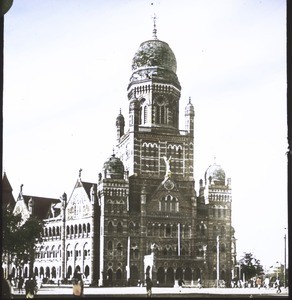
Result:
{"points": [[199, 283], [20, 284], [267, 282], [277, 284], [180, 283], [29, 288], [149, 285], [259, 282], [78, 284]]}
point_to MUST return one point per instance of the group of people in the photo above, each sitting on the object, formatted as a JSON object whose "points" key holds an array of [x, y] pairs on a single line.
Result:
{"points": [[30, 286]]}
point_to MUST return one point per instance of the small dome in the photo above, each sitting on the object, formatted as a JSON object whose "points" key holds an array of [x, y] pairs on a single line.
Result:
{"points": [[215, 175], [189, 108], [113, 168], [120, 121], [154, 53]]}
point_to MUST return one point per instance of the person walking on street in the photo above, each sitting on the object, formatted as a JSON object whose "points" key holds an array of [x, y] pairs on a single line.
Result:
{"points": [[78, 284], [180, 283], [199, 283], [20, 284], [29, 288], [278, 286], [259, 282], [149, 285]]}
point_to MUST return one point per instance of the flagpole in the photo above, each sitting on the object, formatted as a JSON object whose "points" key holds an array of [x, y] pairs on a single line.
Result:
{"points": [[217, 261], [128, 260], [178, 239]]}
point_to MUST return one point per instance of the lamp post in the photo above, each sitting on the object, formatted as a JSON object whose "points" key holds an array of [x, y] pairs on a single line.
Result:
{"points": [[218, 261], [277, 268], [285, 260]]}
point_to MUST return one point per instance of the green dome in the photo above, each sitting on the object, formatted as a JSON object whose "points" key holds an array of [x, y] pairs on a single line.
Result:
{"points": [[215, 175], [113, 168], [154, 53]]}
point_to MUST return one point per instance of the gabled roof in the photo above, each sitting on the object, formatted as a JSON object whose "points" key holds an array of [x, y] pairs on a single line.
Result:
{"points": [[7, 196], [87, 186], [42, 206]]}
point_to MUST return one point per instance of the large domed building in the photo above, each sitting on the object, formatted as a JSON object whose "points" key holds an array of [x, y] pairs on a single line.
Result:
{"points": [[154, 223], [143, 216]]}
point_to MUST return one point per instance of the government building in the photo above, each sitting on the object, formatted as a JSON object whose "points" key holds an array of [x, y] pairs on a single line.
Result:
{"points": [[142, 217]]}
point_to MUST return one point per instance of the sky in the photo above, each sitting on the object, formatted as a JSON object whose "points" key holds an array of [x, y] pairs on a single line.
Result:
{"points": [[67, 65]]}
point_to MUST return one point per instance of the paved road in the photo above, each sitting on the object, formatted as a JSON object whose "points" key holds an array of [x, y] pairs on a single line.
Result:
{"points": [[158, 292]]}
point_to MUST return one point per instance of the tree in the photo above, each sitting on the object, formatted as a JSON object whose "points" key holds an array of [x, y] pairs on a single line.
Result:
{"points": [[20, 239], [250, 266]]}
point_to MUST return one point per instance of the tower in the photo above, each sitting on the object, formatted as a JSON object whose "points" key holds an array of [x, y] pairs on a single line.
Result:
{"points": [[151, 220]]}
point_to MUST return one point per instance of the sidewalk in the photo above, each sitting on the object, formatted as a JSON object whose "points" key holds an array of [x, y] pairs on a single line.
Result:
{"points": [[156, 292]]}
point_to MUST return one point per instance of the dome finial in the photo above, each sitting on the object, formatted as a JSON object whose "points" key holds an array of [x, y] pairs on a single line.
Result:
{"points": [[154, 27]]}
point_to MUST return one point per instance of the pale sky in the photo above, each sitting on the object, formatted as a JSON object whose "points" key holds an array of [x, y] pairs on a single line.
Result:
{"points": [[67, 65]]}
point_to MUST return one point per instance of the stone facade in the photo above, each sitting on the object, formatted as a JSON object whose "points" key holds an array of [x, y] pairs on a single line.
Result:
{"points": [[143, 216]]}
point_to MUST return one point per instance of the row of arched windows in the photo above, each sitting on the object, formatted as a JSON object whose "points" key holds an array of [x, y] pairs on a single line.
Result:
{"points": [[132, 228], [168, 230], [78, 229], [219, 231], [117, 206], [49, 252], [55, 231], [219, 197], [219, 212], [168, 204]]}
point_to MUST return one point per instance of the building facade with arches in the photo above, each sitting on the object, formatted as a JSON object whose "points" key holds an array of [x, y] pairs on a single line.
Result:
{"points": [[143, 216]]}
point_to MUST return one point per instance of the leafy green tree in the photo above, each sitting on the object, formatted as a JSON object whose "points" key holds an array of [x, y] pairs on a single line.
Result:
{"points": [[20, 239], [250, 266]]}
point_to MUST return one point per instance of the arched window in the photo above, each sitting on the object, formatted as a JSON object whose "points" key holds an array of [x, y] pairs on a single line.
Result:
{"points": [[149, 229], [119, 227], [160, 114], [110, 227], [145, 114], [119, 275], [168, 230], [223, 231], [110, 246], [156, 230], [222, 247], [131, 227], [119, 248]]}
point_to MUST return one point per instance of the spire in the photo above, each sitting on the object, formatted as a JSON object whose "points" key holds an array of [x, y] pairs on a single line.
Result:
{"points": [[154, 27], [190, 100], [80, 170]]}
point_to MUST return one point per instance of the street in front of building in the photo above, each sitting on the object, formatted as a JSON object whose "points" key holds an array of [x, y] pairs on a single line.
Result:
{"points": [[157, 292]]}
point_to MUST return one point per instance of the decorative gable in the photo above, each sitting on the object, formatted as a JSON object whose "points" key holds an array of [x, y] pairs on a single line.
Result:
{"points": [[79, 205], [22, 209]]}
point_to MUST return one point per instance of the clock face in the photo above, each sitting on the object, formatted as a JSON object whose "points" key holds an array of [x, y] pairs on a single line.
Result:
{"points": [[169, 185]]}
